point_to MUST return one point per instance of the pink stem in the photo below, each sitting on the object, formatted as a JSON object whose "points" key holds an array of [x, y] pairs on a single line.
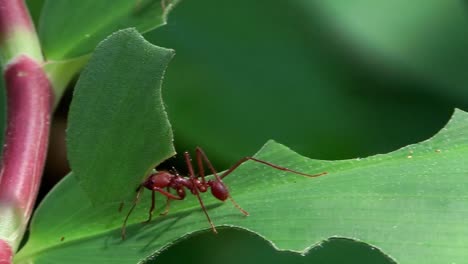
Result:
{"points": [[30, 100], [6, 253], [13, 14], [17, 33]]}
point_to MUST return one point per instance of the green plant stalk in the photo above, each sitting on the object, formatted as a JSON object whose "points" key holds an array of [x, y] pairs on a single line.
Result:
{"points": [[29, 107], [60, 73], [17, 33]]}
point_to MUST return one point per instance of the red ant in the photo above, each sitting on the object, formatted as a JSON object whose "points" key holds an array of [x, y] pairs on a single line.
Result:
{"points": [[164, 181]]}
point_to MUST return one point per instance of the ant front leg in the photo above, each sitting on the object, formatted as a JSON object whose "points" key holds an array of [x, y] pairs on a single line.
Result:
{"points": [[169, 197], [168, 201]]}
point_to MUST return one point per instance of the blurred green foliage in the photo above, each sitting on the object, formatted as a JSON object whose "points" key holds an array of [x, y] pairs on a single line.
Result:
{"points": [[248, 71], [424, 39]]}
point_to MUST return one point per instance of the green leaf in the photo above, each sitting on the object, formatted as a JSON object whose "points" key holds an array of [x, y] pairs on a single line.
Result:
{"points": [[410, 203], [118, 129], [71, 29]]}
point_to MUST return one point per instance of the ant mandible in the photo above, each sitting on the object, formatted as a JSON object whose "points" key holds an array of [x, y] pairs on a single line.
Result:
{"points": [[164, 181]]}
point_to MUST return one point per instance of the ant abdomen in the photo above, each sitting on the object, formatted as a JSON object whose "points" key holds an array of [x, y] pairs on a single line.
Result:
{"points": [[219, 190]]}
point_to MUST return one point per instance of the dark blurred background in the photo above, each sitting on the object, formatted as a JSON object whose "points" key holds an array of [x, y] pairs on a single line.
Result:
{"points": [[330, 79]]}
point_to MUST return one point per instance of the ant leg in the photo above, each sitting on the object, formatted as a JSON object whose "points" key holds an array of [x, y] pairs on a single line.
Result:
{"points": [[135, 201], [153, 202], [201, 169], [226, 173], [195, 189], [167, 194], [201, 155], [167, 205]]}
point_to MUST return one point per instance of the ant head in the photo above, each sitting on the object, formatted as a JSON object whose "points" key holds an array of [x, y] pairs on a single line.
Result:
{"points": [[219, 190], [160, 179]]}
